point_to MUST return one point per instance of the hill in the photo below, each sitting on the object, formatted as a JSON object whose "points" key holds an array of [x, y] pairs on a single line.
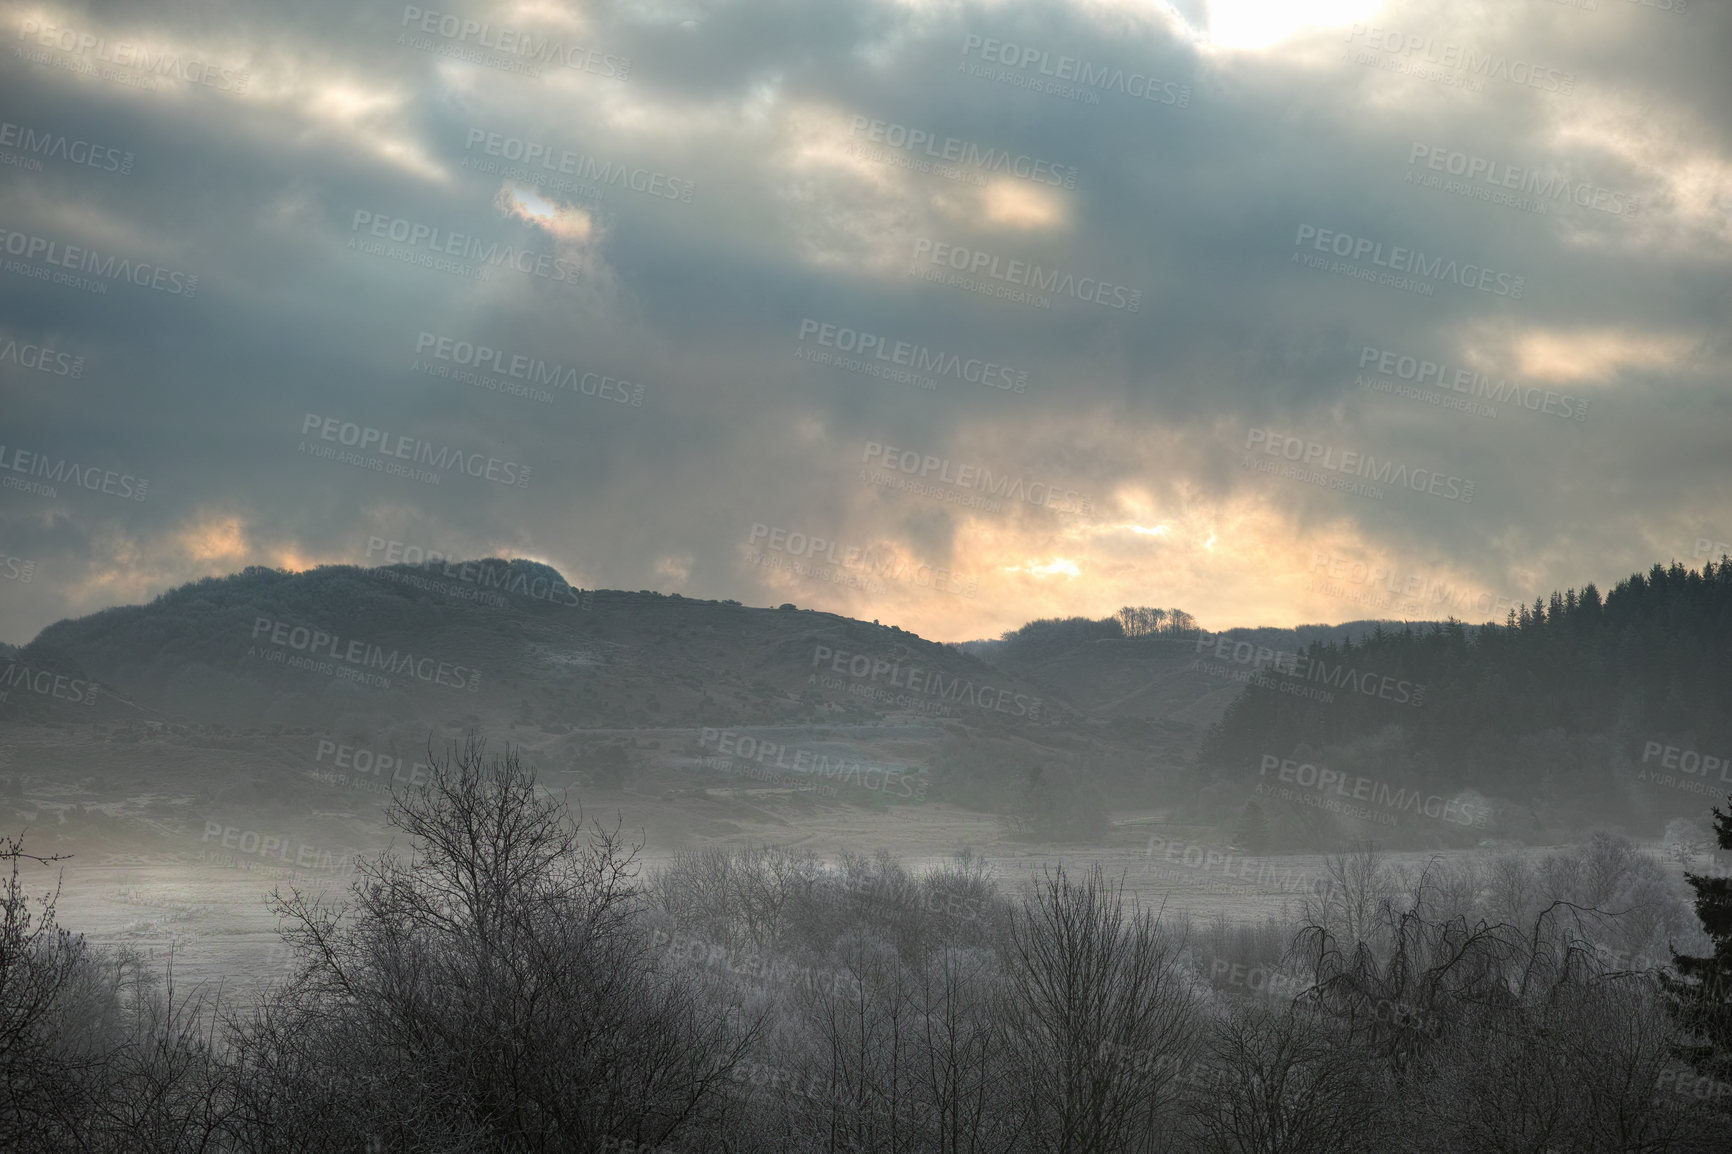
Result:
{"points": [[241, 691], [1583, 707], [495, 641]]}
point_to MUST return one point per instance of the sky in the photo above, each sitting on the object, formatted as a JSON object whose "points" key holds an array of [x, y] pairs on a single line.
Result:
{"points": [[950, 315]]}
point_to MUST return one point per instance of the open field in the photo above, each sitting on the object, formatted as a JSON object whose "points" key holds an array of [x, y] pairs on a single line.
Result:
{"points": [[148, 871], [219, 928]]}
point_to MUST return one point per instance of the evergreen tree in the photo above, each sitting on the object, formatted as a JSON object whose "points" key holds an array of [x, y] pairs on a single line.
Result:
{"points": [[1645, 662], [1699, 996]]}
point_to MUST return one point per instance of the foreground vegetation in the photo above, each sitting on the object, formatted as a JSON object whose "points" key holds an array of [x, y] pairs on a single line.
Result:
{"points": [[507, 980]]}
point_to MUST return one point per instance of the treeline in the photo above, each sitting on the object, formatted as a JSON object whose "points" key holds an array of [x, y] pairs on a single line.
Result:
{"points": [[509, 981], [1145, 621], [1059, 633], [1567, 681]]}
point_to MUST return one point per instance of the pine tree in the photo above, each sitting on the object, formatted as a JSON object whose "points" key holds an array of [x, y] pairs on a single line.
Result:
{"points": [[1699, 996]]}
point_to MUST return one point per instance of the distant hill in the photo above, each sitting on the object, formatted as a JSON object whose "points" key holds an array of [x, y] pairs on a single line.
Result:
{"points": [[1547, 716], [392, 655], [1137, 686], [1043, 638], [226, 696], [1571, 704], [493, 641]]}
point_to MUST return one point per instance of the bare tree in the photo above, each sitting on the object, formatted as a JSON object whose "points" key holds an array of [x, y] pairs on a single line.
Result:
{"points": [[1278, 1081], [961, 1066], [496, 986], [1359, 884], [42, 968], [163, 1085], [1099, 1019], [1581, 1069]]}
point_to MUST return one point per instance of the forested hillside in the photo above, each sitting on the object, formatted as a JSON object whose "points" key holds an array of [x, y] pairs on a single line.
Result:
{"points": [[1565, 687]]}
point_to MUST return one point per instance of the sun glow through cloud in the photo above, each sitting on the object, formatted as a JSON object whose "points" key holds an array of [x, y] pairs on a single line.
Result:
{"points": [[798, 215], [565, 222]]}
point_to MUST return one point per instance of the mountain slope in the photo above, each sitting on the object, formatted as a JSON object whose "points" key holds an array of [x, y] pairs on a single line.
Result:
{"points": [[1571, 705]]}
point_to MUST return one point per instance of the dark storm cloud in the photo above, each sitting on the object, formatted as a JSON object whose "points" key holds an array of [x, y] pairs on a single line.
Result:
{"points": [[270, 194]]}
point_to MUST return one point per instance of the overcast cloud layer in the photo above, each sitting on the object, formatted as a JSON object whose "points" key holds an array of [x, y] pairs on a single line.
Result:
{"points": [[1218, 215]]}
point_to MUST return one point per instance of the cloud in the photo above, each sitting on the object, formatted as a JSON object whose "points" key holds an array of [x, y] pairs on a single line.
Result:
{"points": [[637, 212]]}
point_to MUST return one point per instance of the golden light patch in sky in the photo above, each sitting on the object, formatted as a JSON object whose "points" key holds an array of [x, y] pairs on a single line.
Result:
{"points": [[219, 544], [1019, 204], [845, 210], [1683, 190], [1594, 355], [1235, 553], [327, 110], [821, 136], [1040, 566], [822, 142], [346, 105], [216, 538], [130, 570], [369, 120], [537, 15], [1057, 567], [1242, 559], [291, 558], [674, 570]]}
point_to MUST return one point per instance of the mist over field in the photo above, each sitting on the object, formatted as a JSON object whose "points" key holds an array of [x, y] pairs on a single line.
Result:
{"points": [[1141, 575]]}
